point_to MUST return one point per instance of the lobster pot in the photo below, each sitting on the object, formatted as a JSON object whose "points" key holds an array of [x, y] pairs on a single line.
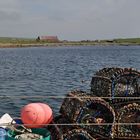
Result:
{"points": [[90, 113], [63, 131], [101, 86], [59, 127], [72, 104], [114, 83], [108, 72], [128, 120], [55, 132], [77, 134]]}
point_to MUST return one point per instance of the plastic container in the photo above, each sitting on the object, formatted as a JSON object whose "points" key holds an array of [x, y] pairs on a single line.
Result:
{"points": [[2, 134], [41, 131]]}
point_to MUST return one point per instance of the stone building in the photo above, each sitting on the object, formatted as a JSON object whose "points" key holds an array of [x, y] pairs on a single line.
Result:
{"points": [[49, 38]]}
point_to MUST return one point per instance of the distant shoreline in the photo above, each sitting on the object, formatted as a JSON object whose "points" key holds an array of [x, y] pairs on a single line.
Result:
{"points": [[64, 45], [6, 42]]}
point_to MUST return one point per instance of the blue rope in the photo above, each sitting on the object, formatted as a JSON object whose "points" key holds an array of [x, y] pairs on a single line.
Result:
{"points": [[126, 93], [96, 114], [113, 86]]}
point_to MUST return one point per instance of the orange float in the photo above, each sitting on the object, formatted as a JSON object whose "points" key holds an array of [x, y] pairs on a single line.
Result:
{"points": [[36, 115]]}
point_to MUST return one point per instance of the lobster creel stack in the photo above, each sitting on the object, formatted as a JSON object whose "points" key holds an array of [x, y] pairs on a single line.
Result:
{"points": [[110, 111], [87, 116], [120, 87]]}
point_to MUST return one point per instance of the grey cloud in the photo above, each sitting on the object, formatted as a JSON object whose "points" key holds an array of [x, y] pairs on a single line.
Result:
{"points": [[9, 16], [72, 19]]}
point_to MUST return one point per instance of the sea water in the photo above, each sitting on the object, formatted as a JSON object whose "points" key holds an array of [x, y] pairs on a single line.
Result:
{"points": [[34, 74]]}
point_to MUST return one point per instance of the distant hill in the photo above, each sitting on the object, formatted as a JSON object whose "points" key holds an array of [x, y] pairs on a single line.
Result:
{"points": [[128, 40]]}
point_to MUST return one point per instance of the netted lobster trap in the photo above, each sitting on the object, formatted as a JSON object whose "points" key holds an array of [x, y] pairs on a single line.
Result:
{"points": [[128, 122], [119, 86], [59, 127], [77, 134], [61, 130], [90, 113]]}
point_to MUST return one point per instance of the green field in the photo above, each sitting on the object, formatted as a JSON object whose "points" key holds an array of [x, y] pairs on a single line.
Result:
{"points": [[128, 40], [6, 40]]}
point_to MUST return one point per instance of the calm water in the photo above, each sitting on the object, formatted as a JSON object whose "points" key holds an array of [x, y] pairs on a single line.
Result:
{"points": [[54, 72]]}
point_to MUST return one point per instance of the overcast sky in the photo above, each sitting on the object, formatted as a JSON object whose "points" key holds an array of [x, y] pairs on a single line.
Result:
{"points": [[70, 19]]}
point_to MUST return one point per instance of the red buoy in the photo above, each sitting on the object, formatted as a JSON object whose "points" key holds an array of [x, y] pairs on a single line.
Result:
{"points": [[35, 115]]}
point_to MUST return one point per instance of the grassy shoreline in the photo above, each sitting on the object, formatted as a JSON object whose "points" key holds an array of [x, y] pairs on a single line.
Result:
{"points": [[21, 42]]}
